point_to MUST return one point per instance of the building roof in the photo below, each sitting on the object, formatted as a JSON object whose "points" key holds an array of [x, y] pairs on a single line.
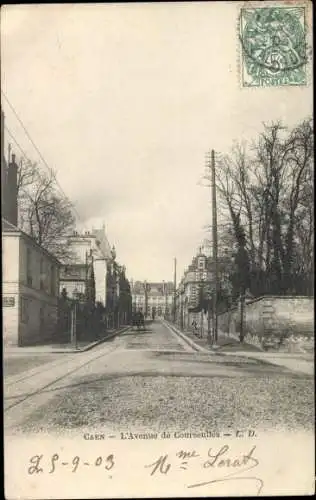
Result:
{"points": [[7, 226], [154, 288], [98, 235]]}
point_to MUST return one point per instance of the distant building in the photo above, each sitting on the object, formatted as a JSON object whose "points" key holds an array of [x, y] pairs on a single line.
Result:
{"points": [[96, 273], [30, 281], [84, 245], [199, 281], [153, 299]]}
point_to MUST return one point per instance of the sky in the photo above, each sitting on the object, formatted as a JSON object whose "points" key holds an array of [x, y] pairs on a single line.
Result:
{"points": [[124, 101]]}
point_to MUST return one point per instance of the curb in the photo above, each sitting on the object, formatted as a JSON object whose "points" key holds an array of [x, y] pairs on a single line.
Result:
{"points": [[73, 350], [100, 341], [295, 369], [238, 354], [190, 342]]}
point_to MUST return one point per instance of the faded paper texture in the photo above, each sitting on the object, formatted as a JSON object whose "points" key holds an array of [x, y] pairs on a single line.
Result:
{"points": [[157, 248]]}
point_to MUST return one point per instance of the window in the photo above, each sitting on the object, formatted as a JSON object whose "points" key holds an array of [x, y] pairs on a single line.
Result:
{"points": [[52, 280], [42, 317], [29, 279], [201, 264], [24, 309], [42, 276]]}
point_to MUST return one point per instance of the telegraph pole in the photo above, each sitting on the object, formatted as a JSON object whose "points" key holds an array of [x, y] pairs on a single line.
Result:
{"points": [[215, 246], [165, 291], [146, 298], [174, 289]]}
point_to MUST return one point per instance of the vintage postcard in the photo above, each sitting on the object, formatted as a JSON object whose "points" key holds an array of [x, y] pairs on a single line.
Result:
{"points": [[158, 249]]}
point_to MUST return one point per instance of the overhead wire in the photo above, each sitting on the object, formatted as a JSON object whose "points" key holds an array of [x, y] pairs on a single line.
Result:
{"points": [[35, 147], [16, 143]]}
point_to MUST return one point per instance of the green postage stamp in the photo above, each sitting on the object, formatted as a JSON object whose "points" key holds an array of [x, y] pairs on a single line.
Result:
{"points": [[273, 46]]}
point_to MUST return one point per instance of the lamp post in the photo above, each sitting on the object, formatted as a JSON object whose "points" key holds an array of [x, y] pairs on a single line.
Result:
{"points": [[202, 284], [146, 288], [164, 288], [209, 310], [118, 290], [113, 307], [181, 306]]}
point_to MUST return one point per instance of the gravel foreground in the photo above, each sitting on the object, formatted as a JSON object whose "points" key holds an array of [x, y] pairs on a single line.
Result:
{"points": [[197, 404]]}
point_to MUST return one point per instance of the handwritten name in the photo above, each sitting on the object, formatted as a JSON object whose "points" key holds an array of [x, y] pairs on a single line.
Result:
{"points": [[221, 459]]}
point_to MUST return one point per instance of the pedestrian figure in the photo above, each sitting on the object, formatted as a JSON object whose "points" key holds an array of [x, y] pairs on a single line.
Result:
{"points": [[142, 320], [195, 327], [139, 320]]}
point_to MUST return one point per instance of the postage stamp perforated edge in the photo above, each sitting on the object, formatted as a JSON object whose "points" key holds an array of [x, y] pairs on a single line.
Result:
{"points": [[243, 77]]}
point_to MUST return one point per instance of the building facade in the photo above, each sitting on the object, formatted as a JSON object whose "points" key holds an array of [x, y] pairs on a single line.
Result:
{"points": [[96, 273], [30, 274], [87, 247], [154, 300], [198, 284], [30, 280]]}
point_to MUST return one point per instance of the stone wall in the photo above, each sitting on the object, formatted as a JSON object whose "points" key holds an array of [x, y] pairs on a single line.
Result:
{"points": [[274, 322]]}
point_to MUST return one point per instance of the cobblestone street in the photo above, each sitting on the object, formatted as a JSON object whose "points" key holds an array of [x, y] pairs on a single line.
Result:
{"points": [[153, 380]]}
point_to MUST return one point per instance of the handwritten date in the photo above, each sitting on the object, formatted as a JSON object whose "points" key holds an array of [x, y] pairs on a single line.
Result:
{"points": [[38, 462], [217, 465]]}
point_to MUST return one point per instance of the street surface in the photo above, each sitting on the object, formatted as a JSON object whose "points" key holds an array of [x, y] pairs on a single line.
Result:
{"points": [[152, 381]]}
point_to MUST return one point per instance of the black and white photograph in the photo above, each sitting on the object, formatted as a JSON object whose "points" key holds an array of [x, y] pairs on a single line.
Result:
{"points": [[157, 187]]}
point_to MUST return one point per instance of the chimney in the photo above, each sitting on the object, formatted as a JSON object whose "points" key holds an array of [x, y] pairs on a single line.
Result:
{"points": [[11, 192], [3, 166], [2, 136]]}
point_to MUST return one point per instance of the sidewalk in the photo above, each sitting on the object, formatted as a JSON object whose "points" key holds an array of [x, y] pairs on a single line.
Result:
{"points": [[227, 345], [82, 346], [294, 362]]}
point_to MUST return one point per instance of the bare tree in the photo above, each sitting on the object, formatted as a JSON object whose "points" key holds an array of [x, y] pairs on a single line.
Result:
{"points": [[44, 214], [26, 174], [268, 192]]}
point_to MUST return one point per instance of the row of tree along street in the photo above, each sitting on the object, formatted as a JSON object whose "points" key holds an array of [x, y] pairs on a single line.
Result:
{"points": [[267, 196]]}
